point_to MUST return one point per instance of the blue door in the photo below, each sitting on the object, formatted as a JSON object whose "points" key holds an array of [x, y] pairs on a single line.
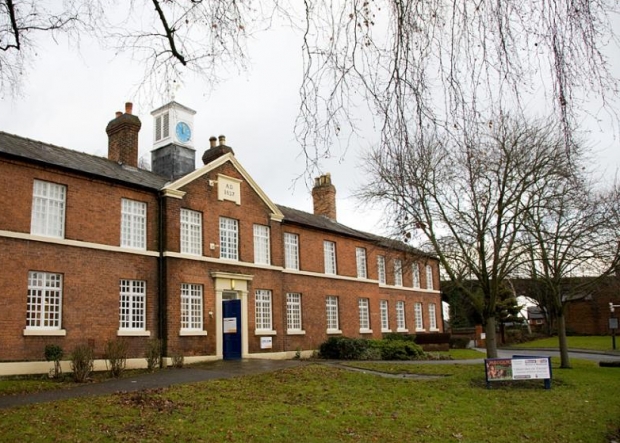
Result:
{"points": [[231, 317]]}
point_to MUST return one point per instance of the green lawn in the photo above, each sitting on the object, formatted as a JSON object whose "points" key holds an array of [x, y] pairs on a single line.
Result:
{"points": [[317, 403], [595, 343]]}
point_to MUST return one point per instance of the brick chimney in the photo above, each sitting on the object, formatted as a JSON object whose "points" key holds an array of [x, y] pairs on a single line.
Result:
{"points": [[324, 197], [215, 151], [123, 137]]}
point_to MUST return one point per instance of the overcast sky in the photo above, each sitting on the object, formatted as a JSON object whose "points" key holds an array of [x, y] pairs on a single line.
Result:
{"points": [[68, 97]]}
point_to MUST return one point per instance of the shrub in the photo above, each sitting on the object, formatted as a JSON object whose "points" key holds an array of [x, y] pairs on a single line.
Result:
{"points": [[400, 350], [54, 353], [459, 342], [395, 336], [81, 363], [344, 348], [153, 354], [116, 356], [178, 361]]}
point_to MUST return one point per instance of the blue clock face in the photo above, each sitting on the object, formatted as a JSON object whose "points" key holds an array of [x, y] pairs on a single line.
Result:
{"points": [[183, 131]]}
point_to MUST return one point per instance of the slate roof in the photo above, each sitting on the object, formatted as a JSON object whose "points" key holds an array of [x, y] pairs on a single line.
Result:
{"points": [[27, 149]]}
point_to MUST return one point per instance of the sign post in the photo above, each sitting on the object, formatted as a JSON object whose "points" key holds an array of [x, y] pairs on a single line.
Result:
{"points": [[613, 324]]}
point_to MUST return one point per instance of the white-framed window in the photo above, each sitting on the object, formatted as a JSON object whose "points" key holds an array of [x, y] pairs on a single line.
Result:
{"points": [[229, 238], [263, 310], [329, 253], [261, 245], [48, 209], [415, 270], [432, 319], [419, 319], [429, 277], [385, 318], [191, 307], [133, 305], [400, 316], [381, 269], [398, 272], [291, 251], [331, 308], [293, 312], [364, 314], [133, 224], [360, 260], [191, 232], [44, 305]]}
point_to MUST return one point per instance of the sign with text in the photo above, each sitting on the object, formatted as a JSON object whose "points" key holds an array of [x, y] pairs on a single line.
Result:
{"points": [[230, 325], [518, 368], [229, 188], [266, 342]]}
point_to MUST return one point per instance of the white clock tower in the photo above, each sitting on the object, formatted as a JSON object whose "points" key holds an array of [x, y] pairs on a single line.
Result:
{"points": [[173, 154]]}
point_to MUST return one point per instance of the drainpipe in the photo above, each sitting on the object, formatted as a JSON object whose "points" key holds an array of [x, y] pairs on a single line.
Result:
{"points": [[162, 281]]}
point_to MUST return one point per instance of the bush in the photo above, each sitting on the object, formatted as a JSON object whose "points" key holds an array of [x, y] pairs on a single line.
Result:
{"points": [[395, 336], [343, 348], [178, 361], [400, 350], [54, 353], [116, 356], [81, 363], [459, 342], [153, 354]]}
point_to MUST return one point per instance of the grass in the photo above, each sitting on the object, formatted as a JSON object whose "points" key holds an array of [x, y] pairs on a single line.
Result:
{"points": [[316, 403], [593, 343]]}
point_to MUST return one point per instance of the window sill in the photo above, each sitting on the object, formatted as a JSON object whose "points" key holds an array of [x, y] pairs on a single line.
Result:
{"points": [[365, 331], [295, 332], [189, 333], [265, 332], [334, 331], [46, 332], [434, 329], [386, 330], [420, 330], [123, 333], [402, 330]]}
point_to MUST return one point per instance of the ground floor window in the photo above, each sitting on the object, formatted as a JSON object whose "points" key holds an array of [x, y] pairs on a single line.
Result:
{"points": [[432, 319], [293, 312], [44, 310], [419, 320], [364, 314], [400, 315], [133, 305], [331, 307], [385, 319], [263, 310], [191, 307]]}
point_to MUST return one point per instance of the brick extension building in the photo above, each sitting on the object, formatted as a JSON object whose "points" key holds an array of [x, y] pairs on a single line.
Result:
{"points": [[95, 248]]}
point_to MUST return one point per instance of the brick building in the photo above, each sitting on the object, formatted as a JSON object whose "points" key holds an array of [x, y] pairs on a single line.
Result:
{"points": [[92, 249]]}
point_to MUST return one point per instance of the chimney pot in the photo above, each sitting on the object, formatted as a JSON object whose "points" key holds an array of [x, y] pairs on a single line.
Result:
{"points": [[222, 139], [213, 141], [128, 107], [118, 113]]}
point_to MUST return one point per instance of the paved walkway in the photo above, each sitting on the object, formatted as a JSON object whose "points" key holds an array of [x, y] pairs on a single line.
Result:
{"points": [[159, 379]]}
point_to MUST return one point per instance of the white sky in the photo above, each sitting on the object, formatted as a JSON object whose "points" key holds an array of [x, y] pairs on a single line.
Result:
{"points": [[68, 97]]}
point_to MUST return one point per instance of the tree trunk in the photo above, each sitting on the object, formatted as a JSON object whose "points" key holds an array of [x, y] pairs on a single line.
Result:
{"points": [[564, 359], [491, 337]]}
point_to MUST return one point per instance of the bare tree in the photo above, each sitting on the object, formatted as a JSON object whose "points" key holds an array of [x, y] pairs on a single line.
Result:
{"points": [[467, 197], [415, 63], [568, 234]]}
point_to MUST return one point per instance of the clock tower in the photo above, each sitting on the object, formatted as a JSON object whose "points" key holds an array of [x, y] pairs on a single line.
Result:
{"points": [[173, 154]]}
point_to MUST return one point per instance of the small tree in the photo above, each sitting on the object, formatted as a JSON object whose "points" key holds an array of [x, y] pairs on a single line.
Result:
{"points": [[153, 354], [54, 353], [82, 363], [116, 356]]}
